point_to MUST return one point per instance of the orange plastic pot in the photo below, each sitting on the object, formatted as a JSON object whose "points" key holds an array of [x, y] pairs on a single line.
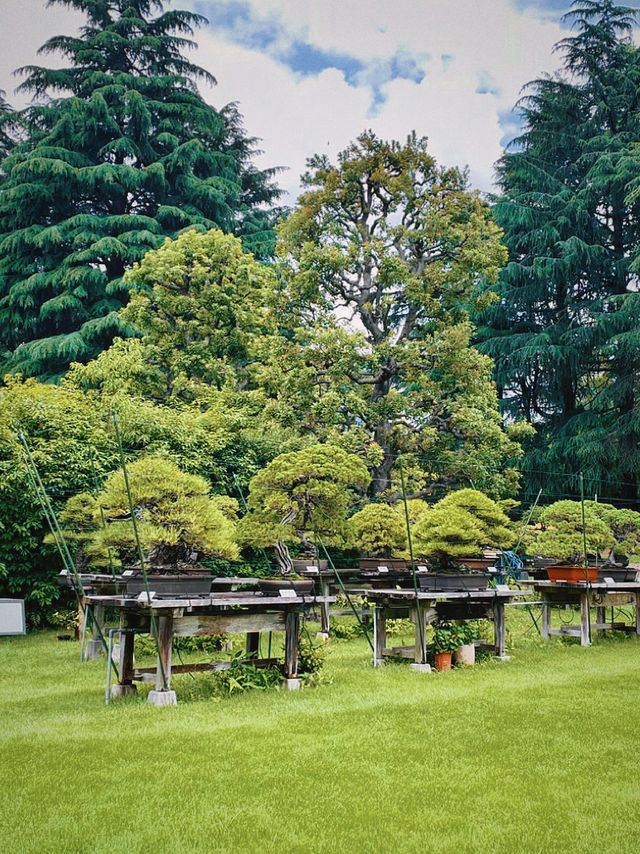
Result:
{"points": [[572, 574], [443, 661]]}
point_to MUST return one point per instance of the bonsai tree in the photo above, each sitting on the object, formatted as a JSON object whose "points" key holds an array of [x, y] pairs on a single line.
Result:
{"points": [[461, 525], [624, 525], [378, 530], [300, 494], [178, 520], [562, 534]]}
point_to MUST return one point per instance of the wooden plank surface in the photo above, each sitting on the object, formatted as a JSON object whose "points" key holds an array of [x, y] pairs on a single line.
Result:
{"points": [[218, 600], [237, 621]]}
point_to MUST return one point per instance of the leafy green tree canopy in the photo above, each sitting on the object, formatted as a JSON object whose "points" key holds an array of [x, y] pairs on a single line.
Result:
{"points": [[401, 246], [198, 301]]}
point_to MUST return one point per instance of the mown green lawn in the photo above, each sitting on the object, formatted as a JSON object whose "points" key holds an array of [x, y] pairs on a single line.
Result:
{"points": [[539, 754]]}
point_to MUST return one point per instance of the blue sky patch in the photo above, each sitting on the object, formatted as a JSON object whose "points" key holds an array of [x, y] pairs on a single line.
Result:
{"points": [[487, 84], [512, 125]]}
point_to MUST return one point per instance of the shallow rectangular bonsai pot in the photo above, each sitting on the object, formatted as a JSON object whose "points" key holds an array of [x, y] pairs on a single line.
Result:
{"points": [[372, 563], [272, 586], [619, 574], [572, 574], [168, 585], [439, 582]]}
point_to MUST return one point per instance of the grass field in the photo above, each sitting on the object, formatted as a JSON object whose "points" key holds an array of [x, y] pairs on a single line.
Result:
{"points": [[539, 754]]}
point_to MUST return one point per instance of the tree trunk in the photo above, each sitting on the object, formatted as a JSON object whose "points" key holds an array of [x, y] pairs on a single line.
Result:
{"points": [[381, 474], [283, 557]]}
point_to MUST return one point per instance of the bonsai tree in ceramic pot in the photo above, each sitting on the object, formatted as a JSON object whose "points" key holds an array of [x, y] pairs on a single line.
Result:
{"points": [[301, 494], [561, 534], [624, 525], [378, 531], [178, 520], [461, 525]]}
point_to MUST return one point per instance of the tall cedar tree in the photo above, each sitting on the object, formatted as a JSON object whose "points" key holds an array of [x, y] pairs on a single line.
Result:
{"points": [[121, 151], [8, 127], [564, 334]]}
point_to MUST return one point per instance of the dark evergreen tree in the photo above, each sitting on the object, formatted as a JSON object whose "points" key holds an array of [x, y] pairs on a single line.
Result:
{"points": [[120, 152], [8, 127], [563, 334]]}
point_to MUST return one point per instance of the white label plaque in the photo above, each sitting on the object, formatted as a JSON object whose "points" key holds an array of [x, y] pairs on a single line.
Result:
{"points": [[12, 620]]}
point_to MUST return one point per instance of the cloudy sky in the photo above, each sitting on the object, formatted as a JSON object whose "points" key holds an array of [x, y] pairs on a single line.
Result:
{"points": [[309, 75]]}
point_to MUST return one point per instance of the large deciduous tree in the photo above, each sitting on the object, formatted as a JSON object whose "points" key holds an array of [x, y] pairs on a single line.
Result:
{"points": [[396, 248], [564, 334], [120, 151]]}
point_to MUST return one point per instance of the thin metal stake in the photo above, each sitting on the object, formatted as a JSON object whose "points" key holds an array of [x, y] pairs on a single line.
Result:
{"points": [[586, 561], [423, 648], [145, 579]]}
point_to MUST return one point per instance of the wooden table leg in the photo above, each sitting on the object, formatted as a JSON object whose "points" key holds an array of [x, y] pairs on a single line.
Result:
{"points": [[324, 607], [585, 640], [499, 630], [125, 684], [165, 636], [94, 645], [292, 636], [419, 617], [379, 634], [546, 618], [638, 614]]}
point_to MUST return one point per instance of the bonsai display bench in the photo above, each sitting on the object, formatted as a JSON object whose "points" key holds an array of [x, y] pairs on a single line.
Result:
{"points": [[428, 607], [356, 581], [243, 612], [599, 595]]}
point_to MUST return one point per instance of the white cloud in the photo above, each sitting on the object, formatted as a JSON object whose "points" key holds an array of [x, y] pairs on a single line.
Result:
{"points": [[297, 116]]}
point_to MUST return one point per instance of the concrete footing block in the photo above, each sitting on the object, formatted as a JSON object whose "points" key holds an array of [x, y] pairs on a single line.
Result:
{"points": [[421, 668], [323, 636], [123, 690], [94, 649], [502, 657], [163, 698], [292, 684], [378, 662]]}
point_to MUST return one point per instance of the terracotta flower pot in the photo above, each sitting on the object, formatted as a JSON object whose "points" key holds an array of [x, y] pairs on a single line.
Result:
{"points": [[443, 661]]}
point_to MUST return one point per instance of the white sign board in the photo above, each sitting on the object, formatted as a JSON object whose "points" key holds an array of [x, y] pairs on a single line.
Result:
{"points": [[12, 620]]}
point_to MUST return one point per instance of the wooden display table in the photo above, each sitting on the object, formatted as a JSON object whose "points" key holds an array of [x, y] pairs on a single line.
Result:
{"points": [[446, 605], [244, 612], [598, 595]]}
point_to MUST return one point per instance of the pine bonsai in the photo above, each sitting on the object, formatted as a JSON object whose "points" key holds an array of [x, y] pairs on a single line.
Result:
{"points": [[300, 495], [461, 525], [562, 532], [119, 151], [178, 520], [378, 530]]}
